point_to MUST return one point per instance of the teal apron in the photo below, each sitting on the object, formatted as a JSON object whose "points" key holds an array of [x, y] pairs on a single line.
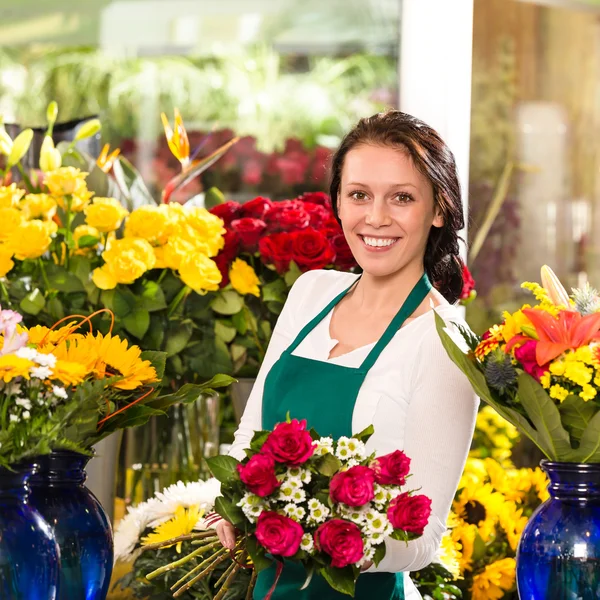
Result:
{"points": [[324, 394]]}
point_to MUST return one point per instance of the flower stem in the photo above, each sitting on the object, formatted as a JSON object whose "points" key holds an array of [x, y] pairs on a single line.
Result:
{"points": [[68, 241], [25, 177], [183, 293], [204, 573], [225, 574], [254, 332], [44, 276], [181, 538], [228, 581], [181, 561], [199, 566], [251, 585], [5, 293]]}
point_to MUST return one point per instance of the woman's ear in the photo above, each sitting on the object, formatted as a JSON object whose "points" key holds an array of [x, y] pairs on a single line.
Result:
{"points": [[438, 218]]}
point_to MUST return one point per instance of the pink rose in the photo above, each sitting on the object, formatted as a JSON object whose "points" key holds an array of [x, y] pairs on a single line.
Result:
{"points": [[259, 475], [353, 487], [525, 354], [391, 469], [409, 513], [342, 540], [278, 534], [290, 443]]}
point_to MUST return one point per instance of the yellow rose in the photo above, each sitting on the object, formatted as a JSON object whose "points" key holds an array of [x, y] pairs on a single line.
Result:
{"points": [[10, 219], [50, 226], [79, 200], [243, 278], [200, 273], [105, 214], [150, 223], [38, 206], [159, 254], [124, 268], [29, 240], [84, 231], [65, 181], [6, 263], [10, 195], [139, 248], [175, 250], [205, 230]]}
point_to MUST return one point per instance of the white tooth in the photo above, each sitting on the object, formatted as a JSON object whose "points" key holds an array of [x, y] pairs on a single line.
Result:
{"points": [[377, 242]]}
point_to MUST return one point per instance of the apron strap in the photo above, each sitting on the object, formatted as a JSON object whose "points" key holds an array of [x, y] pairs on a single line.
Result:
{"points": [[416, 296], [314, 322]]}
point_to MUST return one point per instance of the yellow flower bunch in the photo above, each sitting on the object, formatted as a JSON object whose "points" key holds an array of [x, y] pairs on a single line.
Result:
{"points": [[494, 436]]}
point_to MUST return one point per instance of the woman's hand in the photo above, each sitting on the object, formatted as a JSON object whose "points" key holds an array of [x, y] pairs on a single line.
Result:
{"points": [[367, 565], [226, 533]]}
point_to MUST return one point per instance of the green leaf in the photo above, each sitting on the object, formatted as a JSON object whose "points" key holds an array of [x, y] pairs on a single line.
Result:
{"points": [[365, 434], [275, 291], [227, 302], [589, 447], [240, 322], [178, 338], [218, 381], [237, 352], [258, 439], [479, 547], [153, 297], [274, 307], [257, 554], [107, 298], [137, 323], [33, 303], [123, 301], [341, 580], [213, 197], [155, 334], [310, 571], [87, 241], [81, 268], [224, 331], [544, 415], [229, 511], [576, 413], [189, 392], [328, 465], [224, 468], [379, 554], [157, 359], [292, 274], [132, 417], [55, 308], [62, 280]]}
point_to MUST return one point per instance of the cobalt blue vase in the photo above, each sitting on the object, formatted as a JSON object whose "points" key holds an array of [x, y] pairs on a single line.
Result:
{"points": [[29, 556], [559, 553], [81, 527]]}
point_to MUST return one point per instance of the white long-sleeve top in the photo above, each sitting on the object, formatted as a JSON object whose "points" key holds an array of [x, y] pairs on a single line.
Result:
{"points": [[416, 398]]}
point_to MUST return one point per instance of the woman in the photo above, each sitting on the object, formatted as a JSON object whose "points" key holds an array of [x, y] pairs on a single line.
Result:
{"points": [[353, 350]]}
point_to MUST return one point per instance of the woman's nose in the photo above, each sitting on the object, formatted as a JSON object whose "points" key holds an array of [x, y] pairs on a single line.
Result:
{"points": [[378, 215]]}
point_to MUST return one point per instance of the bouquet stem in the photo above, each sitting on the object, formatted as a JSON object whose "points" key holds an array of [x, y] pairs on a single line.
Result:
{"points": [[181, 561], [228, 581], [205, 535], [198, 567], [204, 573], [252, 584]]}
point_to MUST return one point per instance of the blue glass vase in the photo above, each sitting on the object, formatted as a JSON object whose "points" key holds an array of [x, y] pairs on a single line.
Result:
{"points": [[559, 553], [81, 527], [29, 558]]}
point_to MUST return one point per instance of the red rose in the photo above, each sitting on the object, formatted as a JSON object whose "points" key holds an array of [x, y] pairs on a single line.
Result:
{"points": [[257, 208], [316, 198], [290, 443], [249, 231], [278, 534], [311, 250], [259, 475], [228, 211], [526, 355], [391, 469], [223, 266], [331, 228], [342, 540], [318, 214], [344, 259], [468, 283], [288, 215], [409, 513], [232, 244], [353, 487], [276, 249]]}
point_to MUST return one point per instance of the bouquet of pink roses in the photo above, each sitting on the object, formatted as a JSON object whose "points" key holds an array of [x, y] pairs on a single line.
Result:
{"points": [[324, 503]]}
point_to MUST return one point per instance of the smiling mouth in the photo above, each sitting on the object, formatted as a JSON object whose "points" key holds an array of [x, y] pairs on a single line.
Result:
{"points": [[378, 243]]}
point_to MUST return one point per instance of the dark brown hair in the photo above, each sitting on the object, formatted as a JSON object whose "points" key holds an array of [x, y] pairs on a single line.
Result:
{"points": [[435, 160]]}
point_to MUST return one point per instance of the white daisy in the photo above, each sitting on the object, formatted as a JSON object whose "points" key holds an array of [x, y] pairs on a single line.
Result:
{"points": [[24, 403], [59, 392], [298, 495], [45, 360], [307, 543], [324, 446], [41, 372], [318, 514], [27, 352], [357, 448], [286, 492]]}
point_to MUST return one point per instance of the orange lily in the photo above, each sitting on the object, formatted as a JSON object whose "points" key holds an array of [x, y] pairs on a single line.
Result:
{"points": [[105, 161], [568, 331], [178, 139]]}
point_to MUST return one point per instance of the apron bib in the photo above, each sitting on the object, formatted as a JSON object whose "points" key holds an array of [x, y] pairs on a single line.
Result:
{"points": [[324, 394]]}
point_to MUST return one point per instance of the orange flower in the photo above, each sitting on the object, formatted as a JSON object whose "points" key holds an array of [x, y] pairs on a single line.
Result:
{"points": [[105, 161], [568, 331], [178, 139]]}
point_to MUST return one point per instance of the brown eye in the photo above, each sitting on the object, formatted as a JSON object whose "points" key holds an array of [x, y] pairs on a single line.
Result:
{"points": [[358, 195], [404, 198]]}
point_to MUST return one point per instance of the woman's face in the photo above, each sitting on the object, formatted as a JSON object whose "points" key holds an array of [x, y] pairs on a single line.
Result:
{"points": [[387, 209]]}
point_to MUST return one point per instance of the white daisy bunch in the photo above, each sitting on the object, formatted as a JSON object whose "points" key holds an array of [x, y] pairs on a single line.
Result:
{"points": [[161, 508]]}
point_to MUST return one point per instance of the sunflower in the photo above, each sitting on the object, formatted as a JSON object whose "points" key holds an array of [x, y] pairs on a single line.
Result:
{"points": [[450, 555], [182, 523], [40, 335], [479, 505], [513, 522], [68, 372], [495, 580], [464, 537], [12, 366], [116, 358]]}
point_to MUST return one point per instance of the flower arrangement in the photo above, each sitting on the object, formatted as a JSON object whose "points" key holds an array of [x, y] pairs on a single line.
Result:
{"points": [[493, 503], [60, 388], [268, 245], [324, 503], [540, 368]]}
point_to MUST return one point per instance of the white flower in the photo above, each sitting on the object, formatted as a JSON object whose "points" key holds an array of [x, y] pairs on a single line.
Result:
{"points": [[59, 392], [23, 402], [356, 514], [46, 360], [26, 414], [352, 463], [196, 493], [375, 538], [369, 552], [128, 532], [250, 500], [294, 512], [377, 522], [41, 372], [286, 492], [298, 495], [253, 512], [298, 474], [357, 449], [318, 513], [14, 418], [295, 482], [307, 543], [381, 496], [324, 446], [28, 353]]}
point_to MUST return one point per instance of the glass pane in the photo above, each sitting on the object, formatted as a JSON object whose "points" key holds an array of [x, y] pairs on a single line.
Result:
{"points": [[534, 182]]}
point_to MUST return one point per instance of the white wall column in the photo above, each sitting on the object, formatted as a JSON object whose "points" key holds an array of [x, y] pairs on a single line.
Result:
{"points": [[436, 41]]}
